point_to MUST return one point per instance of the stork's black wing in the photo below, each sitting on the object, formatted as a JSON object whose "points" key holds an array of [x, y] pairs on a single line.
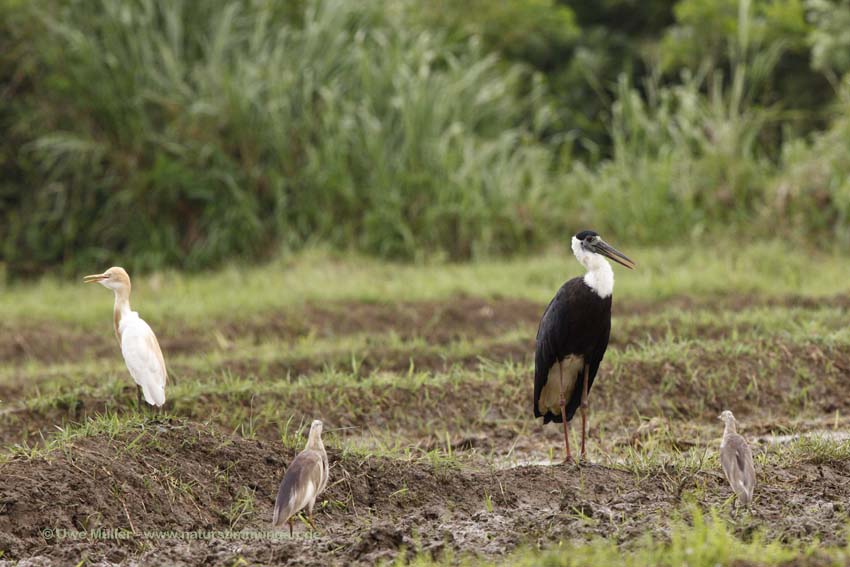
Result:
{"points": [[549, 332], [576, 321]]}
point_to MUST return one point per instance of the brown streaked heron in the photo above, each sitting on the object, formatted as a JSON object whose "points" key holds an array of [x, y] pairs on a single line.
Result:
{"points": [[139, 346], [573, 336], [736, 458], [305, 478]]}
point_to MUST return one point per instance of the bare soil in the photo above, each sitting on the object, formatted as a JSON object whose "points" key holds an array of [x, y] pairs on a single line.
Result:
{"points": [[186, 477], [439, 322], [190, 474]]}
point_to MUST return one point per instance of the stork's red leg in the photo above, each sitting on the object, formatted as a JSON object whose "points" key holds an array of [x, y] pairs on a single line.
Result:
{"points": [[566, 429], [564, 414], [584, 408]]}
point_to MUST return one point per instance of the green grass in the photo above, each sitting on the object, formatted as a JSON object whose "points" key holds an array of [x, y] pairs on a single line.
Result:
{"points": [[705, 541], [458, 405], [693, 269]]}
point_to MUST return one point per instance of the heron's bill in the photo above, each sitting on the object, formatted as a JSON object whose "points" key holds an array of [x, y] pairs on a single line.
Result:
{"points": [[94, 278], [612, 253]]}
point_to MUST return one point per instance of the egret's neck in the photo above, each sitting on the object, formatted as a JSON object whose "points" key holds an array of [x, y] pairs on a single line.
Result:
{"points": [[122, 308], [600, 275], [730, 428]]}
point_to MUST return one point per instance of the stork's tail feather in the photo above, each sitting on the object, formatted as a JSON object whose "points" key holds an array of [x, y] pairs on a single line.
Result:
{"points": [[553, 417]]}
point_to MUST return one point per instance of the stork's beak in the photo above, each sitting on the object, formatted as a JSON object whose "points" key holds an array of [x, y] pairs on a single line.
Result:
{"points": [[94, 278], [602, 247]]}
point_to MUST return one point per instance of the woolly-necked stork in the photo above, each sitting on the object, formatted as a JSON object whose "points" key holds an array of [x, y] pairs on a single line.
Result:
{"points": [[573, 336]]}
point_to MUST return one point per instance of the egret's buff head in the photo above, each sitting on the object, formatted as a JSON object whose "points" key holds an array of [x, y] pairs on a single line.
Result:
{"points": [[114, 278]]}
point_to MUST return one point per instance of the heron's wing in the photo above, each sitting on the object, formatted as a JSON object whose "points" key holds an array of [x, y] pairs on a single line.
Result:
{"points": [[301, 484], [736, 458], [144, 359]]}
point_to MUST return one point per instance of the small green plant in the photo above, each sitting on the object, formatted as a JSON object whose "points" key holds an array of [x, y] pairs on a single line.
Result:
{"points": [[242, 506]]}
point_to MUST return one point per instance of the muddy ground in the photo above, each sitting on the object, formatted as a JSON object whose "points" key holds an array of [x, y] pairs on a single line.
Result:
{"points": [[490, 488], [186, 477]]}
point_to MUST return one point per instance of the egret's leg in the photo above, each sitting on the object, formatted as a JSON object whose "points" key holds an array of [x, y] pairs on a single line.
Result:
{"points": [[584, 408], [290, 526], [139, 396], [564, 415]]}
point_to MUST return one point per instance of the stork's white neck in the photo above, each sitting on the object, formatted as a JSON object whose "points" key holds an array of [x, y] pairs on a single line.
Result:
{"points": [[599, 276]]}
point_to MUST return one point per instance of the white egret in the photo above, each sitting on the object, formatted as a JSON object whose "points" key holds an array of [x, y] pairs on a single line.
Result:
{"points": [[138, 343]]}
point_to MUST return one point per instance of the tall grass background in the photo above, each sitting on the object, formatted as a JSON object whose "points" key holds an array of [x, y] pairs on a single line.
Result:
{"points": [[186, 133]]}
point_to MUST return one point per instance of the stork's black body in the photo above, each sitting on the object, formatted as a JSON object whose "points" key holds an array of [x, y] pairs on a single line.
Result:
{"points": [[573, 336], [576, 322]]}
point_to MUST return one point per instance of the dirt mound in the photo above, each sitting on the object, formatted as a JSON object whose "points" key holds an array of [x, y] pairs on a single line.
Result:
{"points": [[188, 479]]}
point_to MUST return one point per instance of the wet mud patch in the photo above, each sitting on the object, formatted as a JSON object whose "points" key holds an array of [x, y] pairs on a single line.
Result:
{"points": [[52, 343], [176, 475], [770, 376], [438, 322], [729, 302]]}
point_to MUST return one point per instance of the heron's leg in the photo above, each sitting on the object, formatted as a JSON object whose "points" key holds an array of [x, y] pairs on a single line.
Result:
{"points": [[564, 414], [310, 516], [584, 408]]}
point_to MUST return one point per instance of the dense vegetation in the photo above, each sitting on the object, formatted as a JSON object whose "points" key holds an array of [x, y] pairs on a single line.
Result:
{"points": [[187, 133]]}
